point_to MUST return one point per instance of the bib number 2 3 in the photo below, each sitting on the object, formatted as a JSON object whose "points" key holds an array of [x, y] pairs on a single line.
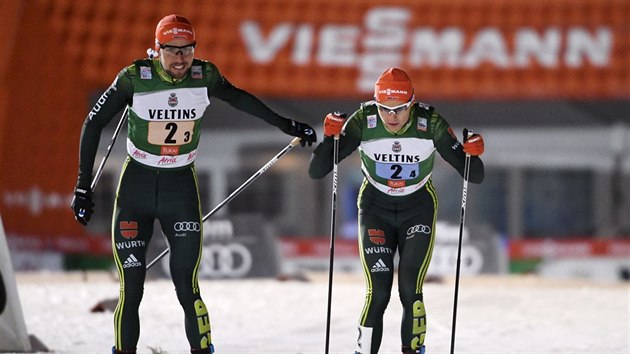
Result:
{"points": [[170, 133]]}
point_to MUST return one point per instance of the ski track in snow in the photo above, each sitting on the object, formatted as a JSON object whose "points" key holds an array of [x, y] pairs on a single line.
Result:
{"points": [[496, 314]]}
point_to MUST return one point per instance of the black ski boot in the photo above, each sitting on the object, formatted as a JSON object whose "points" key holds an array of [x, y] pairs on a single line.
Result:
{"points": [[208, 350], [407, 350]]}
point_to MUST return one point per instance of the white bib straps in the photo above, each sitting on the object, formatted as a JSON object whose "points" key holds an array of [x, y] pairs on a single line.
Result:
{"points": [[160, 161]]}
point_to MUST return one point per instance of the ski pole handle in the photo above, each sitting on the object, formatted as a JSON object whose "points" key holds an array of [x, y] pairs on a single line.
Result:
{"points": [[295, 141], [468, 133]]}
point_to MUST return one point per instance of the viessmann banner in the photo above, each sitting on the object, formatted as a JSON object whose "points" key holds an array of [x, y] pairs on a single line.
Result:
{"points": [[452, 49]]}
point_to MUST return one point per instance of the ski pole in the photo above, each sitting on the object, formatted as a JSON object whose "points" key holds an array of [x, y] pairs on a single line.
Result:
{"points": [[238, 190], [467, 134], [332, 236], [99, 171], [101, 166]]}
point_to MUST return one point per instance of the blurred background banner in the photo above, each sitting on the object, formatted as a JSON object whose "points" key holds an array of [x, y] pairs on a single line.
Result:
{"points": [[546, 82], [336, 49]]}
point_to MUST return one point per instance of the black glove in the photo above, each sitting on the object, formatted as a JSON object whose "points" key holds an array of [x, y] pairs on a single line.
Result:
{"points": [[82, 204], [302, 131]]}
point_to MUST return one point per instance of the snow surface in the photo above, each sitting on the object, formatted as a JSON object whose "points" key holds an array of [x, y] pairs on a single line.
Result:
{"points": [[496, 314]]}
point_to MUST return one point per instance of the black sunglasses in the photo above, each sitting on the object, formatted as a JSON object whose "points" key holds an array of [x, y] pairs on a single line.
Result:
{"points": [[185, 50]]}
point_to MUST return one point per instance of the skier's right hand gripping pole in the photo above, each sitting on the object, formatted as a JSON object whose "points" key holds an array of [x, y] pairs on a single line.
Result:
{"points": [[333, 123], [333, 126]]}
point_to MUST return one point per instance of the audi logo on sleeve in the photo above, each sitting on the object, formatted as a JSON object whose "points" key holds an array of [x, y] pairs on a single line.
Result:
{"points": [[183, 226]]}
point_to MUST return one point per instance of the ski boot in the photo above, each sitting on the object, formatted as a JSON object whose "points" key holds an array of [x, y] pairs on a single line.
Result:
{"points": [[208, 350], [116, 351], [407, 350]]}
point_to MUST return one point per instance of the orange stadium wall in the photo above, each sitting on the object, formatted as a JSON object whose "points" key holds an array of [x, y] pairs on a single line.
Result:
{"points": [[61, 51], [43, 101]]}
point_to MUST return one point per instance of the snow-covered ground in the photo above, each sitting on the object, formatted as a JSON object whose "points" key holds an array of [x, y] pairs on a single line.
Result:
{"points": [[505, 314]]}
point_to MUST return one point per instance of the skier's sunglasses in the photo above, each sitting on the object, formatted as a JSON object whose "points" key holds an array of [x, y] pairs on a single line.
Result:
{"points": [[173, 50], [394, 110]]}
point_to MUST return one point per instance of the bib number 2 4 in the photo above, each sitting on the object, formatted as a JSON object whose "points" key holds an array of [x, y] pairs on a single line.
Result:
{"points": [[397, 171]]}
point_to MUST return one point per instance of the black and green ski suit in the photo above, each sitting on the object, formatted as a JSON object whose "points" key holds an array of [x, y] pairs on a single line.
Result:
{"points": [[397, 209], [158, 181]]}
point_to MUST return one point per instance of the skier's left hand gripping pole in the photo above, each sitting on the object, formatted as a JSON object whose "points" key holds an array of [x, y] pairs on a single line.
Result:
{"points": [[238, 190], [467, 134], [101, 166]]}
